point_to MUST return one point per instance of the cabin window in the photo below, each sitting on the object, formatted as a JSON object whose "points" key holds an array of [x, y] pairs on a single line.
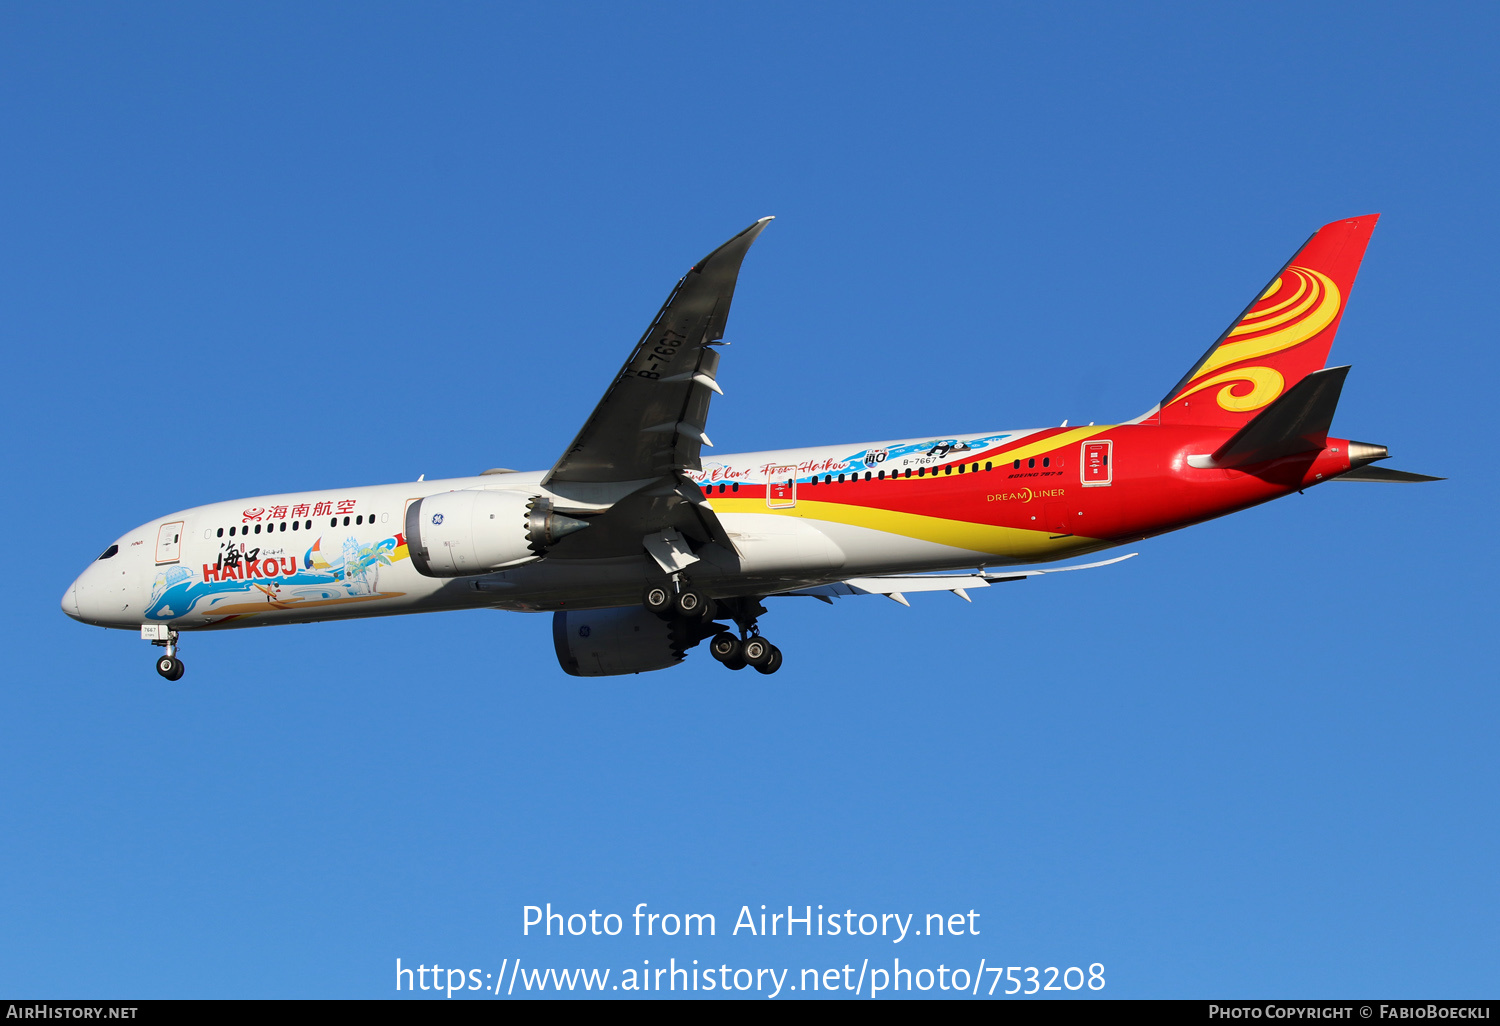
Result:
{"points": [[962, 467], [1031, 463], [296, 524], [221, 532], [283, 526], [112, 550], [734, 487], [881, 476], [908, 472], [307, 526], [721, 489], [841, 479], [1016, 465], [346, 521], [257, 529], [359, 520], [921, 471]]}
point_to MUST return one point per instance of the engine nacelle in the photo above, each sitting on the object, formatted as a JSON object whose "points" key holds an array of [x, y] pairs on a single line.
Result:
{"points": [[460, 534], [604, 642]]}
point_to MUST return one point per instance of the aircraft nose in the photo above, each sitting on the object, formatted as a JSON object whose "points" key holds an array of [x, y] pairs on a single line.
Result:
{"points": [[70, 601]]}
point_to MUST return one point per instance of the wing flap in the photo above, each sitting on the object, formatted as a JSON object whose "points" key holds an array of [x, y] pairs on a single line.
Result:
{"points": [[897, 586]]}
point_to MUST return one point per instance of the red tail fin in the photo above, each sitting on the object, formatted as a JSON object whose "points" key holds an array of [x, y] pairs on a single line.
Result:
{"points": [[1283, 335]]}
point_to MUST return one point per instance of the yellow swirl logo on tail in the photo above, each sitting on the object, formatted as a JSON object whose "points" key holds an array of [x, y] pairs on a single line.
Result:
{"points": [[1294, 308], [1266, 383]]}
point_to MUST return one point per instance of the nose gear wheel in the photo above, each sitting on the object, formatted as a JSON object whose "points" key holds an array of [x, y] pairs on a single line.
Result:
{"points": [[163, 637]]}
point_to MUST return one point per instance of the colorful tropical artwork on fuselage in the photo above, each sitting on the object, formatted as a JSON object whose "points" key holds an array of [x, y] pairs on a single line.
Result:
{"points": [[245, 580]]}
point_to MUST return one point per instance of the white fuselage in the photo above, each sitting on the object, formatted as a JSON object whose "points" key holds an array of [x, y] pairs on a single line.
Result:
{"points": [[339, 553]]}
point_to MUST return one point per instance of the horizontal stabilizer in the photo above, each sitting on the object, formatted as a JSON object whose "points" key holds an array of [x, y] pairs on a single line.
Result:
{"points": [[1296, 422], [1387, 475]]}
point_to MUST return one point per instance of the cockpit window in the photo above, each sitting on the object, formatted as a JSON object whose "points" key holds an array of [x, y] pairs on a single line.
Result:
{"points": [[109, 552]]}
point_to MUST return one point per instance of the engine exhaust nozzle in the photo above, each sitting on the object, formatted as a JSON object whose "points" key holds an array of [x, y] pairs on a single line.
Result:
{"points": [[544, 526]]}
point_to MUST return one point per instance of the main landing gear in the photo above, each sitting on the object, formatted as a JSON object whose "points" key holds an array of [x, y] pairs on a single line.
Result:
{"points": [[738, 653], [676, 600], [169, 666], [680, 601]]}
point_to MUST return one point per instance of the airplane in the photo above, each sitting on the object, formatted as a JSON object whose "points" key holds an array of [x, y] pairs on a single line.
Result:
{"points": [[642, 547]]}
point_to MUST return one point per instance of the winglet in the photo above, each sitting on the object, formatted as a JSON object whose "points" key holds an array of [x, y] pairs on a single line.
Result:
{"points": [[663, 388], [736, 246]]}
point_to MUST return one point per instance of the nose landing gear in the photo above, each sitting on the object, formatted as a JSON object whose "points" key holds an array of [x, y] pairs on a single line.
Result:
{"points": [[169, 666]]}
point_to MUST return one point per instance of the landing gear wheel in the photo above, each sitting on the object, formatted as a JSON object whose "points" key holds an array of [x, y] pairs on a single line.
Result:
{"points": [[658, 599], [691, 605], [725, 648], [774, 663], [737, 663], [170, 667], [757, 652]]}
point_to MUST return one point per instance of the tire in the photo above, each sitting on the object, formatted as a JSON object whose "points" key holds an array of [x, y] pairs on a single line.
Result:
{"points": [[658, 599], [774, 663], [170, 667], [757, 652], [737, 663], [177, 673], [692, 605], [724, 647]]}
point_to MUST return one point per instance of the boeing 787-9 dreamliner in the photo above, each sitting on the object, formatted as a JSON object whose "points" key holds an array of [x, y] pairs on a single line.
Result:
{"points": [[642, 547]]}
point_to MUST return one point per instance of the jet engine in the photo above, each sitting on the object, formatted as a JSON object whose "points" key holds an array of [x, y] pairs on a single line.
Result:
{"points": [[460, 534], [631, 639]]}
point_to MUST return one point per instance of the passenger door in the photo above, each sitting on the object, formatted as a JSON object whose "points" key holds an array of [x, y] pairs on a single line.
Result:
{"points": [[1097, 469], [169, 542], [781, 487]]}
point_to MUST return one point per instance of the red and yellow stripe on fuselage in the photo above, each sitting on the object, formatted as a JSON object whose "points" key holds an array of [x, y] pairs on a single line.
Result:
{"points": [[1029, 514]]}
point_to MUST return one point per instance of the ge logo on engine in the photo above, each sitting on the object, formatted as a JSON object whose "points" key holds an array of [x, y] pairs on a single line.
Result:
{"points": [[583, 631], [437, 518]]}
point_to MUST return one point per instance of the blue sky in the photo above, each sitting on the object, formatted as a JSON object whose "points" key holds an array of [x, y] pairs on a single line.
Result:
{"points": [[264, 249]]}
